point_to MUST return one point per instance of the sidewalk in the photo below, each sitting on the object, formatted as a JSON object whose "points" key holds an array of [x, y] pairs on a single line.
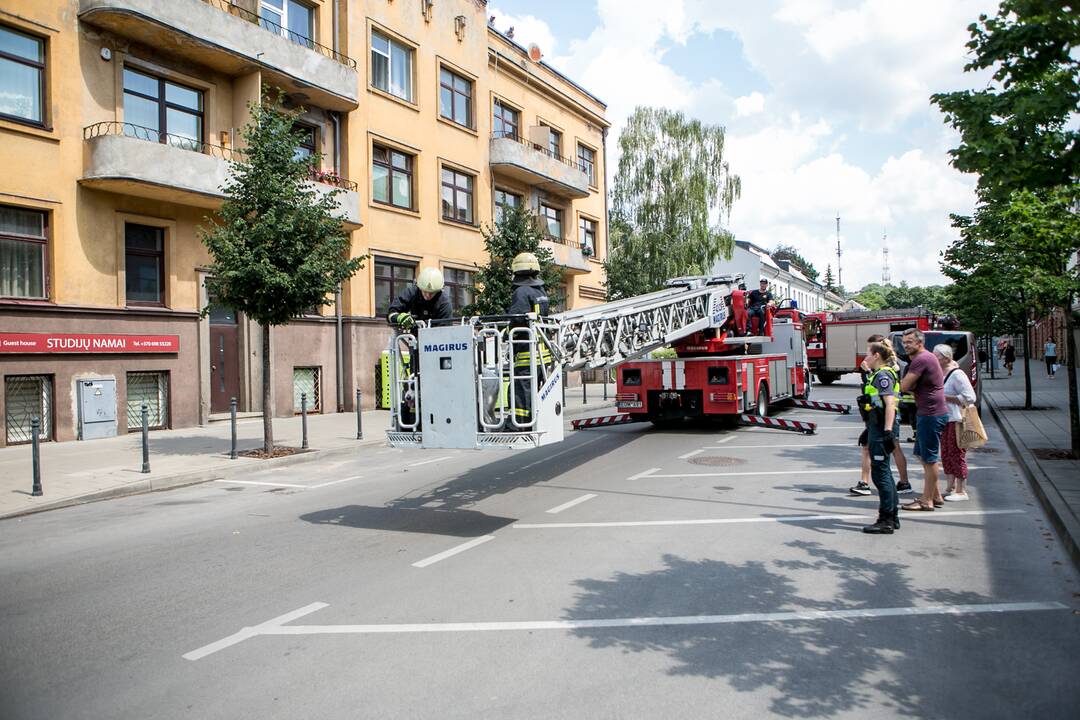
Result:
{"points": [[77, 472], [1034, 435]]}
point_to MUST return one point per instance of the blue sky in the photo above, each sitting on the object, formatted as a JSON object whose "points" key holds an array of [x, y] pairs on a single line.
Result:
{"points": [[825, 103]]}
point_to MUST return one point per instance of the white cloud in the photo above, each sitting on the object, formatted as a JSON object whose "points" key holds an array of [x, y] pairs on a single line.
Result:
{"points": [[749, 104], [528, 29]]}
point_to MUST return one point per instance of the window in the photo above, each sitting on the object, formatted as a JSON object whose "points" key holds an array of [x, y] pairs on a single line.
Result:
{"points": [[289, 18], [455, 98], [551, 221], [307, 146], [306, 389], [391, 66], [22, 76], [162, 111], [457, 196], [586, 158], [151, 389], [506, 121], [391, 177], [23, 239], [504, 200], [144, 264], [587, 234], [27, 397], [459, 287], [554, 142], [391, 279]]}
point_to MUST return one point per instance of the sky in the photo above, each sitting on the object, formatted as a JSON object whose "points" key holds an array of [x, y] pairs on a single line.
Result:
{"points": [[825, 105]]}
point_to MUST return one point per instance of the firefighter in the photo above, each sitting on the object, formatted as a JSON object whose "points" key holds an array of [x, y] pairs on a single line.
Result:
{"points": [[528, 296], [760, 302], [423, 300], [878, 401]]}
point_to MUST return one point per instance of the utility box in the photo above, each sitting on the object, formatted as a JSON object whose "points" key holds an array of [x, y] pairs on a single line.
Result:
{"points": [[97, 408]]}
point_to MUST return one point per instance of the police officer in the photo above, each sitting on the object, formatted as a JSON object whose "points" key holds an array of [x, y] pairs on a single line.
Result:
{"points": [[878, 401], [528, 296], [423, 300]]}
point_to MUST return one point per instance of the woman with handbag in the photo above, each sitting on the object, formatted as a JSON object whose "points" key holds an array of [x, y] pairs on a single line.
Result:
{"points": [[958, 395]]}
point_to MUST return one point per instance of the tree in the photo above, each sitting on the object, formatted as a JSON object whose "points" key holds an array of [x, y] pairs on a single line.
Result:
{"points": [[671, 193], [1018, 135], [829, 281], [789, 253], [277, 247], [517, 231]]}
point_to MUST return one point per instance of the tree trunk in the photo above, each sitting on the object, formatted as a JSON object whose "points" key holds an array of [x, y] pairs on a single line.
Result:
{"points": [[267, 381], [1027, 368], [1070, 367]]}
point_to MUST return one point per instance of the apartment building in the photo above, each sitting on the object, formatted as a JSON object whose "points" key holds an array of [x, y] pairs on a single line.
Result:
{"points": [[785, 280], [123, 116]]}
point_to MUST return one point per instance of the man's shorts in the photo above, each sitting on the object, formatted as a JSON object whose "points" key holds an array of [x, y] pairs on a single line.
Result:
{"points": [[928, 429]]}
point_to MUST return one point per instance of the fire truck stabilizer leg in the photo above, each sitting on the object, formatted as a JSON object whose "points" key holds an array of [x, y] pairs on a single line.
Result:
{"points": [[605, 421], [826, 406], [806, 428]]}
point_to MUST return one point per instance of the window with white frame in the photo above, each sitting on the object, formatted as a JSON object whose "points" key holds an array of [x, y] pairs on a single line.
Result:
{"points": [[289, 18], [391, 66]]}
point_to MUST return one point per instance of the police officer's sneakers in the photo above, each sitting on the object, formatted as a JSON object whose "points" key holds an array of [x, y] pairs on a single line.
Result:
{"points": [[861, 488], [904, 488], [883, 526]]}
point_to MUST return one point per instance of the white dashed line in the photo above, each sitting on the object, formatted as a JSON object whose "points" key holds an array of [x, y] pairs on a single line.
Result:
{"points": [[433, 460], [567, 505], [266, 484], [643, 473], [689, 455], [453, 551]]}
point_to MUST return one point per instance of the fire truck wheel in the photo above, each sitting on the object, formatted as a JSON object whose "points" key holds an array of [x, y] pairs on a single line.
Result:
{"points": [[763, 401], [827, 378]]}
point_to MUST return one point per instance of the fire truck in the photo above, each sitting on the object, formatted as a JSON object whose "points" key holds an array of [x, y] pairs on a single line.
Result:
{"points": [[462, 384], [836, 342]]}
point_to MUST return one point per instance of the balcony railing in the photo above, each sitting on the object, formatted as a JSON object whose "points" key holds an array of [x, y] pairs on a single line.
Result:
{"points": [[540, 149], [185, 143], [244, 13]]}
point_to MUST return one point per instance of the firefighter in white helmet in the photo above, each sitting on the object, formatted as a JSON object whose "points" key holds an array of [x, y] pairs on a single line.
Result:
{"points": [[424, 300], [528, 296]]}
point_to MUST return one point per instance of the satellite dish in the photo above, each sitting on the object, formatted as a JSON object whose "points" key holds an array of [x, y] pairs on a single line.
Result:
{"points": [[534, 52]]}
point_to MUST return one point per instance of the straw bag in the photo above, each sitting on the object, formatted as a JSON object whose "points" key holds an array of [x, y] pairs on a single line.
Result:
{"points": [[970, 432]]}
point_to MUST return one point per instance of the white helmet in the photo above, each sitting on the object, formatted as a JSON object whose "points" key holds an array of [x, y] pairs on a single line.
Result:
{"points": [[430, 280]]}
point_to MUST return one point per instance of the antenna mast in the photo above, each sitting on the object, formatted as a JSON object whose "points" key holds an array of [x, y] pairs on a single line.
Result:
{"points": [[886, 277], [839, 275]]}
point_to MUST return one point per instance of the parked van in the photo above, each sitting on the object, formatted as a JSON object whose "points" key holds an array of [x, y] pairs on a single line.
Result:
{"points": [[965, 353]]}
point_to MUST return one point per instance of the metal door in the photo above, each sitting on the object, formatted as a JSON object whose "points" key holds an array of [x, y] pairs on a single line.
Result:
{"points": [[224, 359]]}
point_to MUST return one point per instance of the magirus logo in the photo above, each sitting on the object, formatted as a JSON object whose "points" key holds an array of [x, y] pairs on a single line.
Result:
{"points": [[446, 347]]}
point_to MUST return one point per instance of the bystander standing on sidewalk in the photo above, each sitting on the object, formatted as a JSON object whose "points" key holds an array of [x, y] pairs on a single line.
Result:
{"points": [[958, 395], [1010, 356], [1050, 353], [925, 379]]}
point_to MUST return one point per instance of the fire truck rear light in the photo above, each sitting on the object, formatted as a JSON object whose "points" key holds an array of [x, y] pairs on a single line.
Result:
{"points": [[721, 397], [627, 397]]}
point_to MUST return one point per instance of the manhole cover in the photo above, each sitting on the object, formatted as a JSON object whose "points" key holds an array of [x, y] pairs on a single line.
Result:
{"points": [[717, 460]]}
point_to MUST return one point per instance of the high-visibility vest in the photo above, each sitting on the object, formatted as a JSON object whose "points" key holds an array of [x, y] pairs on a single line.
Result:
{"points": [[871, 396]]}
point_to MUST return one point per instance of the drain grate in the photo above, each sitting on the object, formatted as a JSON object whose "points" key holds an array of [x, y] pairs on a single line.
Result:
{"points": [[717, 460]]}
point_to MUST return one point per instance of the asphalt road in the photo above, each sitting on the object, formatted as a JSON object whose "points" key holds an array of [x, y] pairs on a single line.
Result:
{"points": [[625, 573]]}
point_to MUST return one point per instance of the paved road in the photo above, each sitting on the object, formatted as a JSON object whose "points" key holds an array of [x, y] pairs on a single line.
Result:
{"points": [[626, 573]]}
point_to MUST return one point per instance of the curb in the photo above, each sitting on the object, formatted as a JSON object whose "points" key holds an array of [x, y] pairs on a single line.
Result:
{"points": [[1050, 498]]}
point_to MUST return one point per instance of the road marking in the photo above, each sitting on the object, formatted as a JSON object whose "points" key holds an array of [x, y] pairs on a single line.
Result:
{"points": [[727, 439], [649, 474], [453, 551], [770, 446], [549, 458], [567, 505], [433, 460], [257, 482], [746, 520], [689, 455], [250, 632], [335, 482], [277, 626]]}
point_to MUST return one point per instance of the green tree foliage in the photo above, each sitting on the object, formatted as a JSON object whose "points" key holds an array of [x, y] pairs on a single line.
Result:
{"points": [[517, 231], [672, 190], [829, 282], [277, 246], [789, 253], [894, 297]]}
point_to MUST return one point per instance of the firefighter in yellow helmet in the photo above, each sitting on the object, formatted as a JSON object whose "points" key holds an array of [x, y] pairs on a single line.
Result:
{"points": [[528, 296], [423, 300]]}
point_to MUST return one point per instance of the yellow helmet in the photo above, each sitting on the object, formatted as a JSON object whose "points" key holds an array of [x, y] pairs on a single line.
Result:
{"points": [[430, 280], [525, 262]]}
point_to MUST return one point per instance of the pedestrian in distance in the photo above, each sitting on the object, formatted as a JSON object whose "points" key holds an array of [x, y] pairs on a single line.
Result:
{"points": [[879, 402], [958, 395], [1010, 356], [863, 486], [1050, 353], [925, 379]]}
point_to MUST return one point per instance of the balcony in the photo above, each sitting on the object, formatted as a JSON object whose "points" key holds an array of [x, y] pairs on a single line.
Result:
{"points": [[535, 165], [230, 39], [133, 160], [568, 255]]}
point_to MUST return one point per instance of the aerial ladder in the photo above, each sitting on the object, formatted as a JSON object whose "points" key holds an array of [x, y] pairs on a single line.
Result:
{"points": [[457, 385]]}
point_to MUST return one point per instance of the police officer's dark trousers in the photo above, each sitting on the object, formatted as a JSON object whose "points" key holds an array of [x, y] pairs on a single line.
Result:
{"points": [[881, 473]]}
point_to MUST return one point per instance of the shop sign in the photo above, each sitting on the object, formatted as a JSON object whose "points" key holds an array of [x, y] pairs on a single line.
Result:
{"points": [[82, 343]]}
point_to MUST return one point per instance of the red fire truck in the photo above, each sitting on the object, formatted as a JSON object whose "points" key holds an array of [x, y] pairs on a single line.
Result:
{"points": [[836, 342]]}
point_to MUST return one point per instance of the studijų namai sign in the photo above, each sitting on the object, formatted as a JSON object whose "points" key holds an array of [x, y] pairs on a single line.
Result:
{"points": [[41, 343]]}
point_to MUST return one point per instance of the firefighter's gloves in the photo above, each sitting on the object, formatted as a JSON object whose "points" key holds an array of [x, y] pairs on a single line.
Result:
{"points": [[404, 320]]}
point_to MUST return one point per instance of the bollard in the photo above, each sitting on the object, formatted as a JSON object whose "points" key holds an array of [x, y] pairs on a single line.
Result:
{"points": [[145, 438], [232, 421], [584, 390], [359, 418], [35, 451], [303, 420], [605, 384]]}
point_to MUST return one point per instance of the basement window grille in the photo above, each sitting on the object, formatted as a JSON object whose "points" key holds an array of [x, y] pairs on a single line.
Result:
{"points": [[151, 388], [27, 397], [307, 380]]}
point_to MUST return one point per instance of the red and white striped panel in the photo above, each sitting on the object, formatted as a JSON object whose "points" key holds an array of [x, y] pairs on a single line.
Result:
{"points": [[807, 428], [829, 407], [620, 419]]}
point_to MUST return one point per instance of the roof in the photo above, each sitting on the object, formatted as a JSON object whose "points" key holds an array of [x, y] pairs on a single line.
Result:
{"points": [[544, 65]]}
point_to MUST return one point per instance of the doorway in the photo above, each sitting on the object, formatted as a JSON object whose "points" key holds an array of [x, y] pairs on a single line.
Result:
{"points": [[224, 358]]}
